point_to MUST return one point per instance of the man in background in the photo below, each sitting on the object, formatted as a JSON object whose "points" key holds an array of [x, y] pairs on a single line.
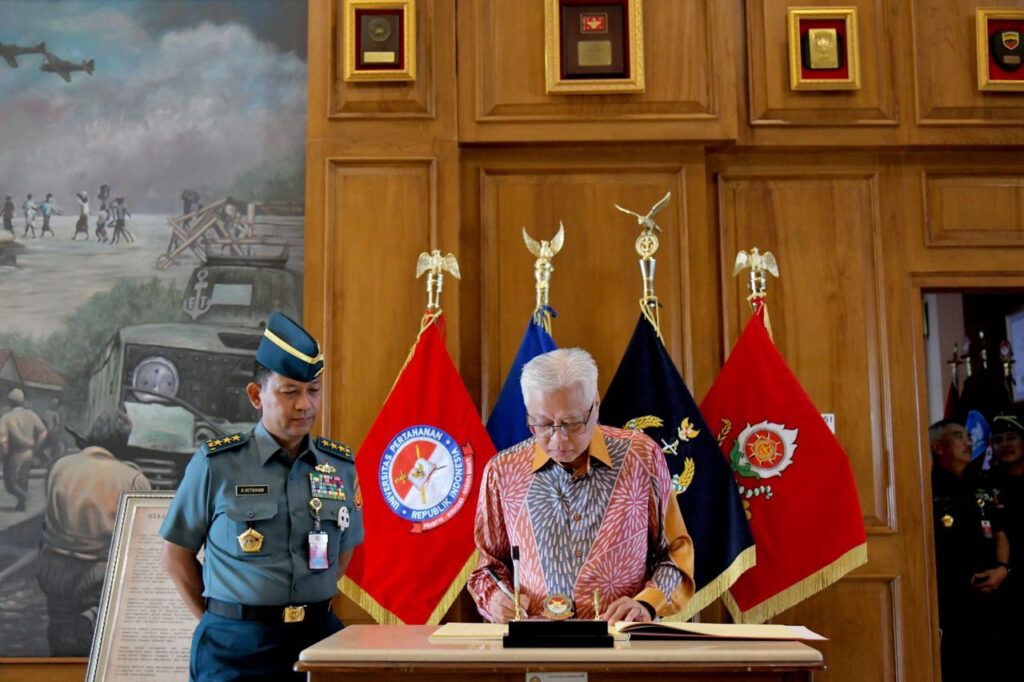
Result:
{"points": [[21, 434], [82, 495]]}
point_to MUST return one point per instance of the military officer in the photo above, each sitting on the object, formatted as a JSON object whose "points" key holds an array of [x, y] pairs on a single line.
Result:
{"points": [[279, 513]]}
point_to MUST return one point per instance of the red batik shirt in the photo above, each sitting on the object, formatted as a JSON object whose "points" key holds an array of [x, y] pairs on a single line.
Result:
{"points": [[613, 525]]}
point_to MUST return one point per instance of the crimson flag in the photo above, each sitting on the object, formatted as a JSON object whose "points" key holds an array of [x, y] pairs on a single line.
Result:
{"points": [[793, 476], [420, 468]]}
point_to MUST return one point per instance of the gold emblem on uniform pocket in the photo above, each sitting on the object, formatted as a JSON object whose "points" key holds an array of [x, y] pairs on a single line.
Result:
{"points": [[251, 541], [947, 520]]}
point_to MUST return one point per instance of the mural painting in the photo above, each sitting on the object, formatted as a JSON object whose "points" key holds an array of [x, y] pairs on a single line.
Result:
{"points": [[151, 163]]}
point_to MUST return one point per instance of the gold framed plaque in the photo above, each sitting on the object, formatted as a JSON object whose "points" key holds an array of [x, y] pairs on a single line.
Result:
{"points": [[380, 40], [1000, 51], [593, 46], [823, 48]]}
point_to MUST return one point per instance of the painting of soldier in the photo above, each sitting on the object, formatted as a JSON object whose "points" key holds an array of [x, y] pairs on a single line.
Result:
{"points": [[128, 336]]}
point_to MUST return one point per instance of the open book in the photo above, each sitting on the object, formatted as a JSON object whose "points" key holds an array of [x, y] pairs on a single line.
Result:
{"points": [[714, 631]]}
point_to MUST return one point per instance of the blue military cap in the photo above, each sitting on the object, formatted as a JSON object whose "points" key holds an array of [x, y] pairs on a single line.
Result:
{"points": [[289, 350]]}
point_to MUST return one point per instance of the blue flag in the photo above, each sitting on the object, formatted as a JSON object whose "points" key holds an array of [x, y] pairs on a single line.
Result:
{"points": [[648, 394], [507, 423]]}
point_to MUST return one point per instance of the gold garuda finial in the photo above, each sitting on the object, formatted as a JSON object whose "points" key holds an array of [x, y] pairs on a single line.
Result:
{"points": [[433, 264], [544, 251], [759, 264], [647, 242]]}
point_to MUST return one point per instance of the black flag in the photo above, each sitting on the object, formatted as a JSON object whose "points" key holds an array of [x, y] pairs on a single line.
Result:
{"points": [[647, 393]]}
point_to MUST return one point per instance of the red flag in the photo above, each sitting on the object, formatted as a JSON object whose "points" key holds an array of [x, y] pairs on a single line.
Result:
{"points": [[420, 469], [793, 476]]}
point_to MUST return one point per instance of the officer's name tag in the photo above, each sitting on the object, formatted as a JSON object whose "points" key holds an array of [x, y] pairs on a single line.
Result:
{"points": [[241, 490], [318, 551]]}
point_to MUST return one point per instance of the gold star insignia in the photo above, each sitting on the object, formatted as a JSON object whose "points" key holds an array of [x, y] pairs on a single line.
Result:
{"points": [[235, 438]]}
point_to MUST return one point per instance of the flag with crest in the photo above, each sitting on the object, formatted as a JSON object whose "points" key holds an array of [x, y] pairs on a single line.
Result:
{"points": [[648, 394], [793, 475], [420, 465]]}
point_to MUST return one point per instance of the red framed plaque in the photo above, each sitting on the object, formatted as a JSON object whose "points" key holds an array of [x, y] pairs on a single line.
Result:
{"points": [[823, 51], [1000, 49], [593, 46], [380, 40]]}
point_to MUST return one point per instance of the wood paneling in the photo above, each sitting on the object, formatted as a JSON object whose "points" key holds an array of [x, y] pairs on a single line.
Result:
{"points": [[974, 209], [826, 310], [869, 650], [773, 103], [944, 53], [690, 52]]}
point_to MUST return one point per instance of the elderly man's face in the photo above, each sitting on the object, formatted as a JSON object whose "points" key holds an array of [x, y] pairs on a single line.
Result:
{"points": [[573, 416]]}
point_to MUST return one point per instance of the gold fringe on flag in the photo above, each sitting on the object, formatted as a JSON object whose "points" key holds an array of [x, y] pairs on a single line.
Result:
{"points": [[797, 592], [384, 617], [717, 587], [757, 300]]}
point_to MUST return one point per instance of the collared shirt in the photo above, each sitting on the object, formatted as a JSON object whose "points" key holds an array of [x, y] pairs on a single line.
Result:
{"points": [[82, 494], [21, 429], [258, 485], [613, 525]]}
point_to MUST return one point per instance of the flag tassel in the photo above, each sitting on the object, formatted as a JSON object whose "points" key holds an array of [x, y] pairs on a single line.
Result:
{"points": [[717, 587], [793, 595]]}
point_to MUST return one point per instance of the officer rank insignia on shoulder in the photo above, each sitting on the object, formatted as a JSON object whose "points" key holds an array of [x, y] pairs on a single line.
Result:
{"points": [[336, 448], [215, 445]]}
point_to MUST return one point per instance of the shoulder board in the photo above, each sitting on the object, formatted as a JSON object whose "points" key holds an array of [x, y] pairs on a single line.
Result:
{"points": [[215, 445], [333, 447]]}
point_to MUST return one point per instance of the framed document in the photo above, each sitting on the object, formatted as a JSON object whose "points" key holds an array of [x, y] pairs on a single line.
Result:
{"points": [[593, 46], [380, 40], [1000, 53], [143, 628], [823, 49]]}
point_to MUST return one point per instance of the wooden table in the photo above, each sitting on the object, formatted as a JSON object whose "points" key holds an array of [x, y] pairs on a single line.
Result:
{"points": [[380, 653]]}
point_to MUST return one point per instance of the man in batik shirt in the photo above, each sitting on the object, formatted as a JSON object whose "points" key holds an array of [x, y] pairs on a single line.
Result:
{"points": [[590, 508]]}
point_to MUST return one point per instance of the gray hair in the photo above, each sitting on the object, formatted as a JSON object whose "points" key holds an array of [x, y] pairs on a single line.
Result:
{"points": [[559, 369]]}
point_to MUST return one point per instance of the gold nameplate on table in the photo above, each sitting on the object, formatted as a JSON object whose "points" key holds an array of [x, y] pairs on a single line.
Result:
{"points": [[824, 48], [251, 541], [294, 614]]}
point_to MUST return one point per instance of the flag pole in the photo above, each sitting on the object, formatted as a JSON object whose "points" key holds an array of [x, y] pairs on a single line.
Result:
{"points": [[434, 264], [544, 251], [646, 245], [760, 264]]}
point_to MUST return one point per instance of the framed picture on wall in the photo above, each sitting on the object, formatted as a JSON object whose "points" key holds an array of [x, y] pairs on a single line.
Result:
{"points": [[380, 40], [1000, 52], [1015, 335], [823, 49], [593, 46]]}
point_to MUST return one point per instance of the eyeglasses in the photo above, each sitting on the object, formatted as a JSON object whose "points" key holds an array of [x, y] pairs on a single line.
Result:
{"points": [[567, 428]]}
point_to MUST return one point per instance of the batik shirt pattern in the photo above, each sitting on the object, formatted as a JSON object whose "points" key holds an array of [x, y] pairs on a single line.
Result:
{"points": [[614, 525]]}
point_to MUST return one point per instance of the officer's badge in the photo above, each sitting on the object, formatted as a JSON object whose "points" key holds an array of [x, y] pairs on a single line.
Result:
{"points": [[947, 520], [215, 445], [325, 468], [343, 517], [251, 541], [334, 447]]}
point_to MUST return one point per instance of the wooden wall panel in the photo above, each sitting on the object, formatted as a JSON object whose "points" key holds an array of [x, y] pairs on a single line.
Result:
{"points": [[973, 209], [826, 308], [596, 283], [869, 649], [380, 217], [690, 56], [773, 103], [944, 53]]}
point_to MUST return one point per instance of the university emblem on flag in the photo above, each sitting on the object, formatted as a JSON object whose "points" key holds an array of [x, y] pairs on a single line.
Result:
{"points": [[593, 23], [425, 477], [763, 450]]}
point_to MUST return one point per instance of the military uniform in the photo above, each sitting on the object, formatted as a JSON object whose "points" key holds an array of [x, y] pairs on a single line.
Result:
{"points": [[273, 523], [966, 523]]}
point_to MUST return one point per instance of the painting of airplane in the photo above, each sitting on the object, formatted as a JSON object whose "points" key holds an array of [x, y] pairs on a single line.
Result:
{"points": [[55, 64], [9, 51]]}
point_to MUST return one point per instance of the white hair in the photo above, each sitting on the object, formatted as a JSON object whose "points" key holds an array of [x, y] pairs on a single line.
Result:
{"points": [[559, 369]]}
